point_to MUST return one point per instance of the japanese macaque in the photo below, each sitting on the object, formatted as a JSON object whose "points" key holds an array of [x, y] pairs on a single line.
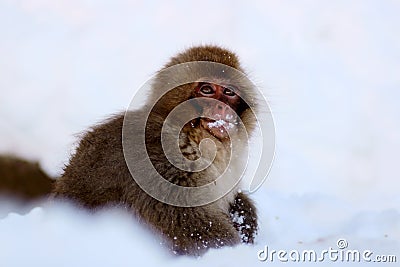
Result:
{"points": [[97, 174], [23, 180]]}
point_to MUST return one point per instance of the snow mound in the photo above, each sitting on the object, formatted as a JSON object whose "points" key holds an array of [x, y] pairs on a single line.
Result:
{"points": [[61, 235]]}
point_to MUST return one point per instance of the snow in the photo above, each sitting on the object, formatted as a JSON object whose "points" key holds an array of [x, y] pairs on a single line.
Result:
{"points": [[238, 218], [58, 234], [330, 71], [219, 123]]}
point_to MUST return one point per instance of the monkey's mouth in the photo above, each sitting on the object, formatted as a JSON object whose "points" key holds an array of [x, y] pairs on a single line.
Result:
{"points": [[218, 128]]}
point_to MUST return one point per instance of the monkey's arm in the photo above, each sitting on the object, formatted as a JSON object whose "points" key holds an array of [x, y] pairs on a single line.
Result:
{"points": [[184, 230], [244, 216]]}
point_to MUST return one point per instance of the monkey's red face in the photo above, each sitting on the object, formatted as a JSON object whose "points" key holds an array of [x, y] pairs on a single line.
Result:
{"points": [[224, 113]]}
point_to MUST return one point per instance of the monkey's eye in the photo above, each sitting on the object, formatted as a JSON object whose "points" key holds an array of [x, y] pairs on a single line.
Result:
{"points": [[207, 89], [229, 92]]}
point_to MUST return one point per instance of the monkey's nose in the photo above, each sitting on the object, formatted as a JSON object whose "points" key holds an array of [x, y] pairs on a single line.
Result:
{"points": [[221, 111]]}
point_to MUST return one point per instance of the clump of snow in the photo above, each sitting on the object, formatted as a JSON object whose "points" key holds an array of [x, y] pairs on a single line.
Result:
{"points": [[239, 219], [219, 123], [229, 117]]}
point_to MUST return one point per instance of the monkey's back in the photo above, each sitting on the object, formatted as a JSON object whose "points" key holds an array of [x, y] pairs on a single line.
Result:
{"points": [[96, 174]]}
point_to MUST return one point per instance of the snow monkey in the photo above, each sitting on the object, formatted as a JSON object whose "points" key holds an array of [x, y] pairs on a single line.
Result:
{"points": [[98, 175]]}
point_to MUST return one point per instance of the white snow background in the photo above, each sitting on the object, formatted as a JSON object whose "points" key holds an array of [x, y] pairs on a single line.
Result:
{"points": [[329, 69]]}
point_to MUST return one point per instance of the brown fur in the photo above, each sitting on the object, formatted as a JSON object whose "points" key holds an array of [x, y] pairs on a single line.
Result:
{"points": [[97, 174], [23, 180]]}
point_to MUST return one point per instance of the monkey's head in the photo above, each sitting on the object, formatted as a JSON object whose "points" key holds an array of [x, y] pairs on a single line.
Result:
{"points": [[223, 82], [197, 121]]}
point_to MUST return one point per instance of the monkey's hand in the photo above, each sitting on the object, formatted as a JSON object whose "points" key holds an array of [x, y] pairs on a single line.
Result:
{"points": [[192, 231], [244, 217]]}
